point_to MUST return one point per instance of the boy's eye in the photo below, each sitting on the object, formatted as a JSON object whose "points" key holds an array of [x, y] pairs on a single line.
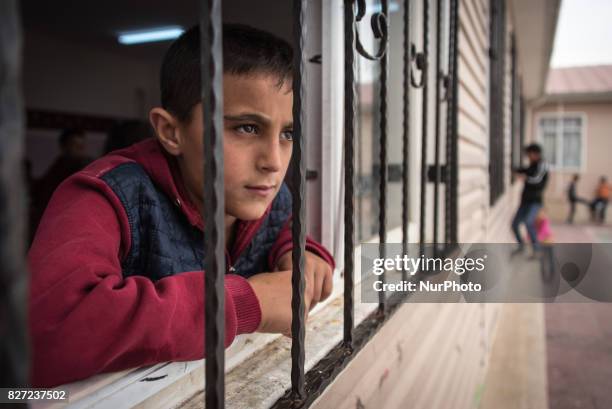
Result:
{"points": [[288, 135], [247, 128]]}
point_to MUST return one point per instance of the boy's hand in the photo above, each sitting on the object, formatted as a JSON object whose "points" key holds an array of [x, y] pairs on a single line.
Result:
{"points": [[318, 276], [274, 291]]}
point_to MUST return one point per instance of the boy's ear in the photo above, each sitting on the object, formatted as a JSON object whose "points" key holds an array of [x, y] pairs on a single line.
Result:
{"points": [[167, 130]]}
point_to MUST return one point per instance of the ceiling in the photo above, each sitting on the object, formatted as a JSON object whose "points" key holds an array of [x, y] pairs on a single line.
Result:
{"points": [[98, 22], [535, 26]]}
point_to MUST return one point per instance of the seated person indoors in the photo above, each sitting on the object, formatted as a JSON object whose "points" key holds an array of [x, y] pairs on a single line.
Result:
{"points": [[117, 262], [72, 158]]}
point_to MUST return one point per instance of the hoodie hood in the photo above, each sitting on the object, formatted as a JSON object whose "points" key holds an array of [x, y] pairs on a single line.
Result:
{"points": [[163, 169]]}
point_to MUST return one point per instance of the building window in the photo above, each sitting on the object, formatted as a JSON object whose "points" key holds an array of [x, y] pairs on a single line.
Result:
{"points": [[562, 140]]}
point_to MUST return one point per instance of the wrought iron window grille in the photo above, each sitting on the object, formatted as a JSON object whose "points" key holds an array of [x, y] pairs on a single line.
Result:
{"points": [[305, 387]]}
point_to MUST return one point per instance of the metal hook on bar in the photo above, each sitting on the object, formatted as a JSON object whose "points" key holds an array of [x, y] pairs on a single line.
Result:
{"points": [[420, 64], [378, 24], [315, 59], [445, 81]]}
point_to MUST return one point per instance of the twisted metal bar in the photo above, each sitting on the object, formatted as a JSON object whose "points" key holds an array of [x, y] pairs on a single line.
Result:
{"points": [[214, 201], [522, 109], [437, 176], [382, 204], [298, 176], [349, 173], [496, 97], [424, 125], [14, 353], [406, 133], [514, 153], [451, 127]]}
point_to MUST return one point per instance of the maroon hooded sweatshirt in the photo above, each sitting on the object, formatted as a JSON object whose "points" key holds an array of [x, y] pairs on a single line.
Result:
{"points": [[87, 318]]}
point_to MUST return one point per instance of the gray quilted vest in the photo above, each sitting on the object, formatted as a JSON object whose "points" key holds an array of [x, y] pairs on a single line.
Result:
{"points": [[164, 243]]}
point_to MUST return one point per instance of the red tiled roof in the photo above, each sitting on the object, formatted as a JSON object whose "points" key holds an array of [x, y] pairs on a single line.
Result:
{"points": [[580, 80]]}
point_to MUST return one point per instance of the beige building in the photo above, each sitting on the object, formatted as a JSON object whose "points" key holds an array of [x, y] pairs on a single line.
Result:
{"points": [[573, 122]]}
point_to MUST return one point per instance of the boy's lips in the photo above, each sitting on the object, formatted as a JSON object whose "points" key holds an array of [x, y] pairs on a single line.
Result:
{"points": [[261, 190]]}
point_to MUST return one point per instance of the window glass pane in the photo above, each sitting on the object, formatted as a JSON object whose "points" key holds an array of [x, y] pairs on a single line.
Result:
{"points": [[572, 124], [367, 134], [548, 124], [572, 149], [550, 147], [548, 130]]}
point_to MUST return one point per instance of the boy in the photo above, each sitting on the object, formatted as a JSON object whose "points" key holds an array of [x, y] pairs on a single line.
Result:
{"points": [[117, 278], [573, 198], [535, 176]]}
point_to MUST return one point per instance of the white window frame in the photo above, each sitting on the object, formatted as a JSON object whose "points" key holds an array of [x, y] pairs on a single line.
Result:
{"points": [[559, 116]]}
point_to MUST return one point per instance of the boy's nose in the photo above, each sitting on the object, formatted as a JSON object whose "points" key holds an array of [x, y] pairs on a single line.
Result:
{"points": [[270, 156]]}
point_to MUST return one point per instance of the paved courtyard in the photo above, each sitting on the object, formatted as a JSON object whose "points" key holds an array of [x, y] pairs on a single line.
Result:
{"points": [[555, 355], [579, 339]]}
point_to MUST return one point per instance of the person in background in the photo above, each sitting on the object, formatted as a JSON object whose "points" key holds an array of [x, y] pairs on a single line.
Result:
{"points": [[126, 133], [573, 198], [535, 177], [546, 239], [600, 203], [542, 224], [73, 157], [543, 229]]}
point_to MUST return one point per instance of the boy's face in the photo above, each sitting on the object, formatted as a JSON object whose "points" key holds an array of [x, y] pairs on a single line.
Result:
{"points": [[76, 147], [533, 156], [257, 132]]}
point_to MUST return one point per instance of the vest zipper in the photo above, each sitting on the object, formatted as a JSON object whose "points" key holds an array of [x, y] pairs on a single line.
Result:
{"points": [[228, 262]]}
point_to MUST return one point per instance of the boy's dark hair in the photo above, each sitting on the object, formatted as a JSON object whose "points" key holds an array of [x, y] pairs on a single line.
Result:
{"points": [[534, 148], [246, 51], [68, 135]]}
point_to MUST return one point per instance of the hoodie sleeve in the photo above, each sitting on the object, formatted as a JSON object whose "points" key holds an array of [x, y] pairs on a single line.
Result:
{"points": [[85, 318], [284, 243], [536, 175]]}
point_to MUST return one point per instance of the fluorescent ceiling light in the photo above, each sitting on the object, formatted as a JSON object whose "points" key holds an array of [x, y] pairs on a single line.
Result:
{"points": [[149, 36], [377, 8]]}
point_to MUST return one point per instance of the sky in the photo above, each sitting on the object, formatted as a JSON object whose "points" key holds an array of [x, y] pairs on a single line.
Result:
{"points": [[584, 33]]}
